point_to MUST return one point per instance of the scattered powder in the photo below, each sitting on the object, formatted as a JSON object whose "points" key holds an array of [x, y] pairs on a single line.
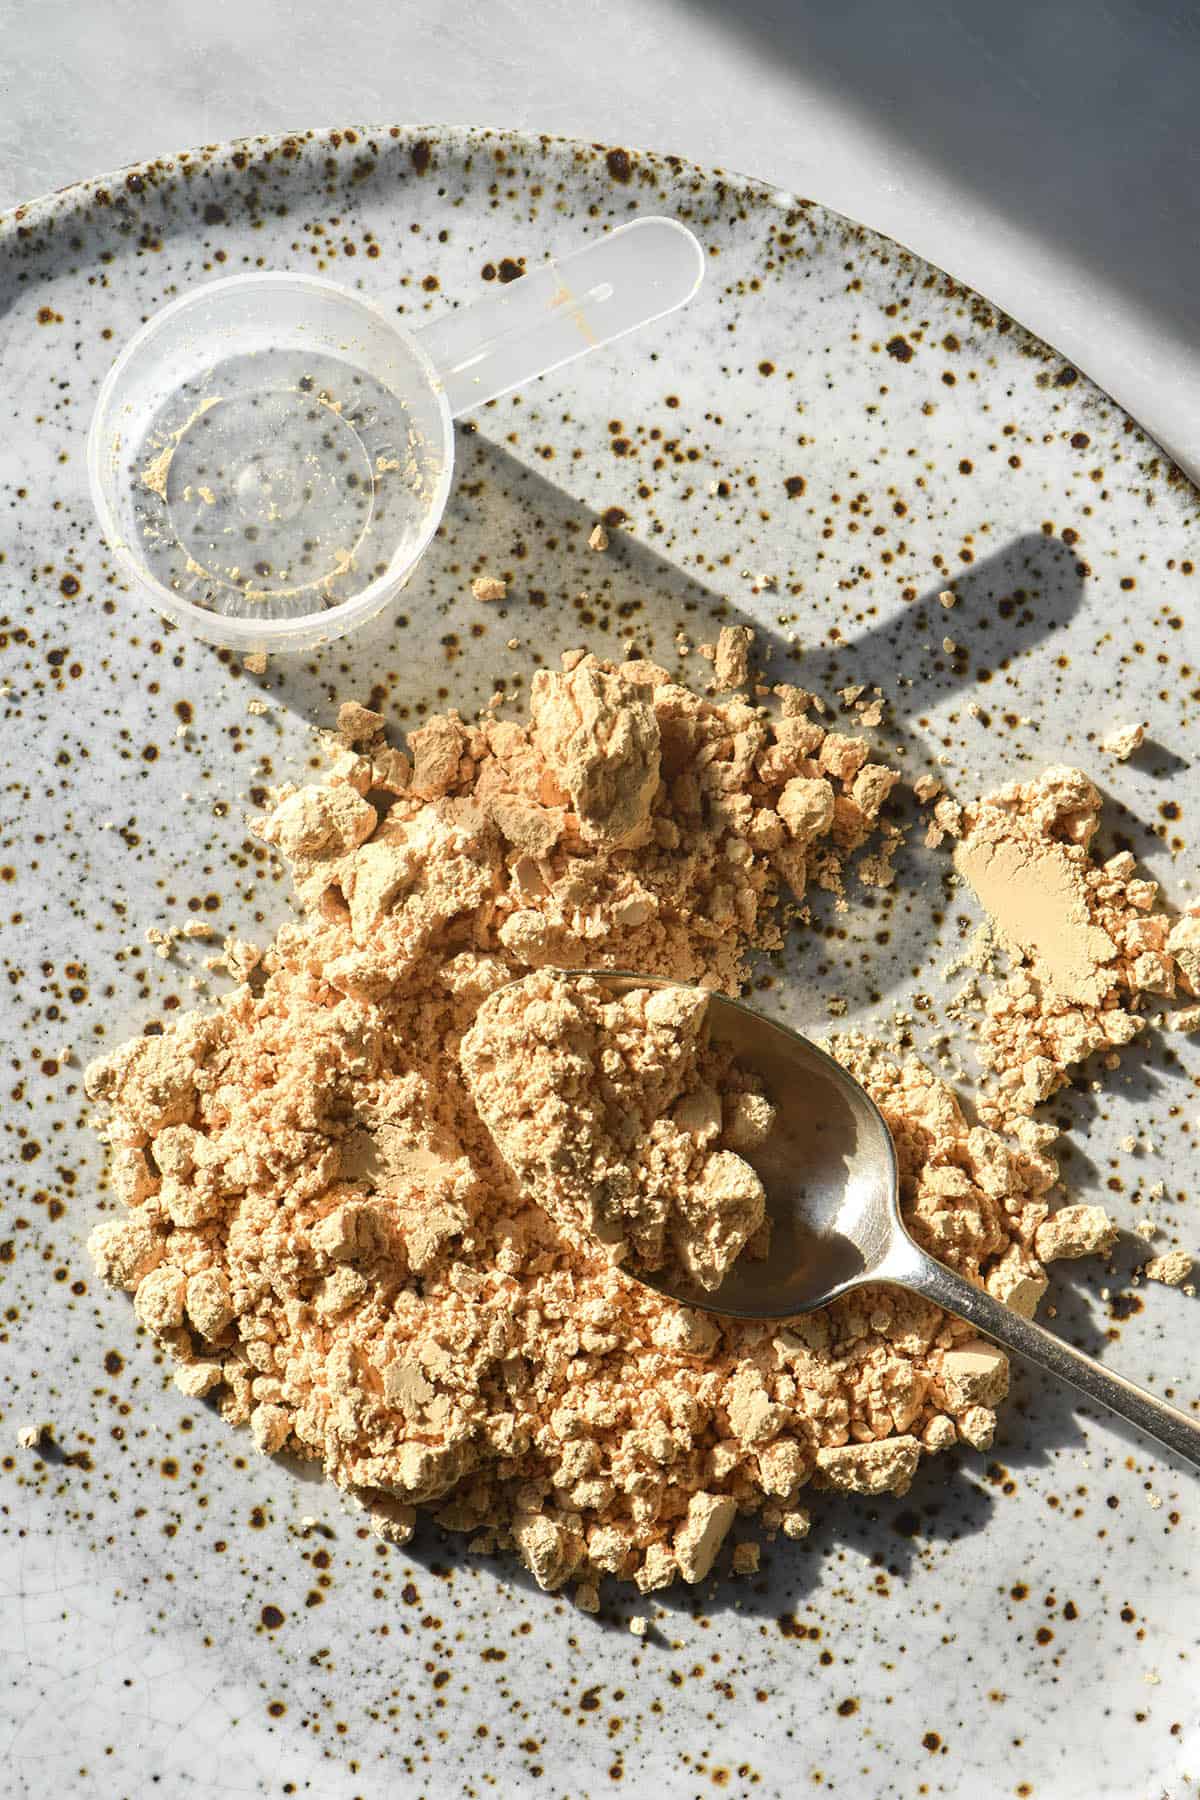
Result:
{"points": [[236, 958], [164, 942], [157, 471], [760, 582], [1122, 740], [255, 663], [978, 953], [598, 538], [622, 1120], [315, 1223]]}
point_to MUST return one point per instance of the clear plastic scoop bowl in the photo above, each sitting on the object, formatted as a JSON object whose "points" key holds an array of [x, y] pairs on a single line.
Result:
{"points": [[270, 455]]}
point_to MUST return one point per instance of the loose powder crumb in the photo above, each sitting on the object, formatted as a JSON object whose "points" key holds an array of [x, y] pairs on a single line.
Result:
{"points": [[1173, 1269], [1076, 1231], [489, 587], [316, 1225], [745, 1559], [598, 538], [157, 471], [1122, 740]]}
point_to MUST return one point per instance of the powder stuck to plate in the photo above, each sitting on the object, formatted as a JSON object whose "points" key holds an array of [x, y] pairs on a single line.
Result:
{"points": [[1038, 905], [1089, 939]]}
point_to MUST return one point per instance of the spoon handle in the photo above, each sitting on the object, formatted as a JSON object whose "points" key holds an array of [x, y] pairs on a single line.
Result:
{"points": [[910, 1267]]}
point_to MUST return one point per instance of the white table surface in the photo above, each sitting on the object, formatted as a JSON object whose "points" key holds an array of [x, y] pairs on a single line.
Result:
{"points": [[1046, 152]]}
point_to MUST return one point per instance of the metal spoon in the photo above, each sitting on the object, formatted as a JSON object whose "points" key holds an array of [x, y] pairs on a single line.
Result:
{"points": [[829, 1169]]}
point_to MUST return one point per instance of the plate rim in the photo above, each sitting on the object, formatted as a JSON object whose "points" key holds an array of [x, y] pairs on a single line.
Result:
{"points": [[42, 211]]}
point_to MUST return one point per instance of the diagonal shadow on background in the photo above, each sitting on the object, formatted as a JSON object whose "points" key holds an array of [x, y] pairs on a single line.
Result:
{"points": [[1078, 122]]}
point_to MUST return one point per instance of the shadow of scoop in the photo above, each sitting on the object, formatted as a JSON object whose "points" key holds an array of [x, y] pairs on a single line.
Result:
{"points": [[1005, 608], [442, 647]]}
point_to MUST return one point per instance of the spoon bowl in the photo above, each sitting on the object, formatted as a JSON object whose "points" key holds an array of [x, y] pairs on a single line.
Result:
{"points": [[828, 1167], [833, 1197]]}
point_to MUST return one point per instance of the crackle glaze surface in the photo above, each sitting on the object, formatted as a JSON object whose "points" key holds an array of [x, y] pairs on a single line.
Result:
{"points": [[831, 433]]}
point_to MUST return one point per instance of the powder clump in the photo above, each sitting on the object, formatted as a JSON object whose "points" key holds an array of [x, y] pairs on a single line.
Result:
{"points": [[600, 738], [731, 666], [1120, 741], [611, 1111], [1172, 1269]]}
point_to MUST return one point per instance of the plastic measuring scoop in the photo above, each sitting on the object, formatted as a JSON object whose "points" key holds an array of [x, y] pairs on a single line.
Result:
{"points": [[271, 454]]}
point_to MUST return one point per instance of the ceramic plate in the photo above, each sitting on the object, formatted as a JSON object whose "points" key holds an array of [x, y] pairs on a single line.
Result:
{"points": [[832, 433]]}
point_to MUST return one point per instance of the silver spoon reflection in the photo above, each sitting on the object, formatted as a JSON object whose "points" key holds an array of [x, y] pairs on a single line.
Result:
{"points": [[830, 1174]]}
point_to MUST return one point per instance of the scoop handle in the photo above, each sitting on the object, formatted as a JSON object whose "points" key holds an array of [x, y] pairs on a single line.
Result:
{"points": [[910, 1267], [563, 309]]}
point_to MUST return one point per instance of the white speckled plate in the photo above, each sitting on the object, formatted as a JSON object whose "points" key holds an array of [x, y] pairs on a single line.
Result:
{"points": [[831, 414]]}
